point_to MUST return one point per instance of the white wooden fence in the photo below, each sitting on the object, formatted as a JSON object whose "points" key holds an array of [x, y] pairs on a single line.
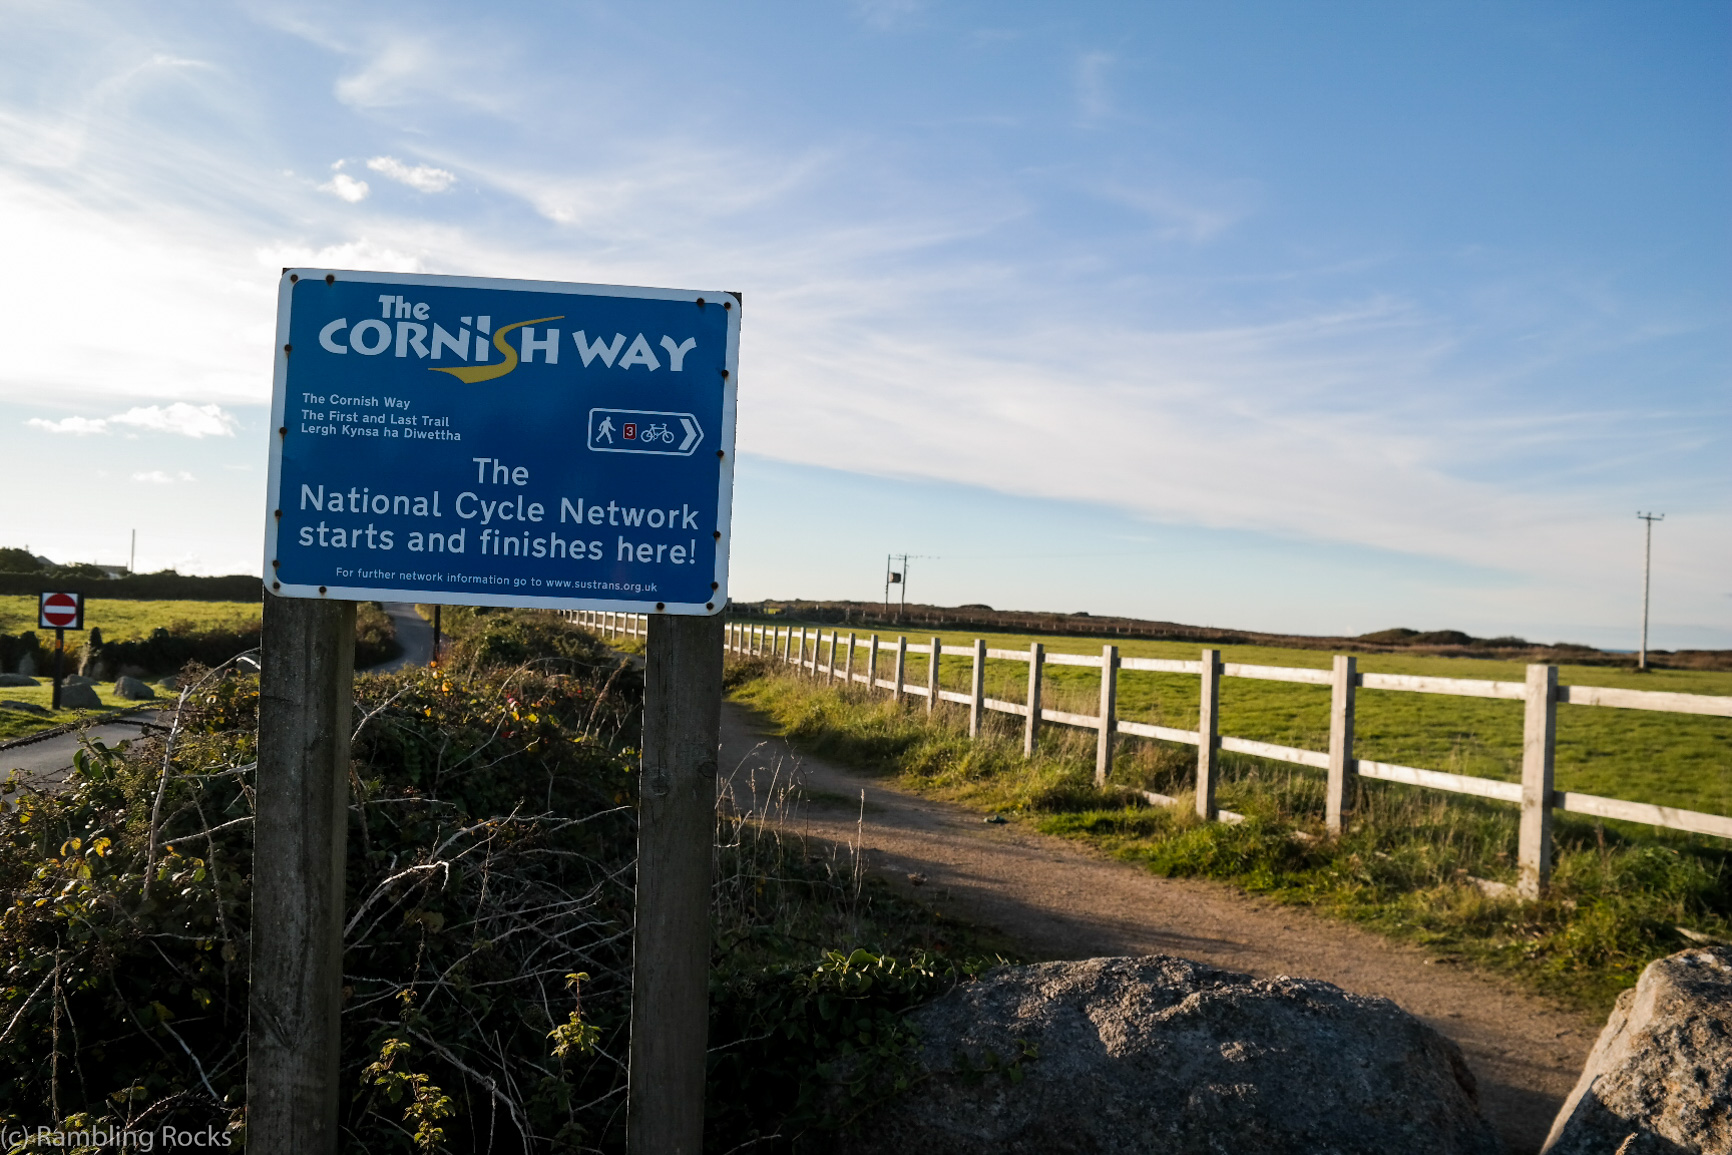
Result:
{"points": [[1541, 693]]}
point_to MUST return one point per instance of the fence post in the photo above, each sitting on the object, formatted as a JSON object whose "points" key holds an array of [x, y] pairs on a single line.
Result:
{"points": [[850, 678], [1208, 752], [1031, 726], [872, 664], [1109, 706], [1341, 697], [306, 711], [901, 665], [932, 675], [977, 689], [676, 839], [1539, 742]]}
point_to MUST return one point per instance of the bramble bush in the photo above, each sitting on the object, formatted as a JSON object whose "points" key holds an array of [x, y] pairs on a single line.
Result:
{"points": [[487, 931]]}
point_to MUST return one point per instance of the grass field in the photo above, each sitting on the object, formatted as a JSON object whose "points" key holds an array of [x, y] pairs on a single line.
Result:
{"points": [[1406, 865], [19, 723], [1668, 759], [122, 621]]}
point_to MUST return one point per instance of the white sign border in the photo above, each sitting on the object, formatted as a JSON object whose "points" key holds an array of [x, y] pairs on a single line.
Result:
{"points": [[279, 425]]}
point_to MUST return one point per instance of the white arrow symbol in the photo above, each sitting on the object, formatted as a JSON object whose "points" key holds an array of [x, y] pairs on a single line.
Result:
{"points": [[693, 434]]}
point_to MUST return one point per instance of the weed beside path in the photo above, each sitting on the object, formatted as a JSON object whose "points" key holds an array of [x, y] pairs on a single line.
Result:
{"points": [[1407, 866]]}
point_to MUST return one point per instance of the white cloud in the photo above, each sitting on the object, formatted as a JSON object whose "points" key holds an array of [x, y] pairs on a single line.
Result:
{"points": [[195, 421], [346, 187], [186, 420], [159, 477], [76, 425], [421, 177]]}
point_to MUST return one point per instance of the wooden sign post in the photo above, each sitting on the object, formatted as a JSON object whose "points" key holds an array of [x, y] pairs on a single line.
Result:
{"points": [[676, 836], [301, 823], [371, 504]]}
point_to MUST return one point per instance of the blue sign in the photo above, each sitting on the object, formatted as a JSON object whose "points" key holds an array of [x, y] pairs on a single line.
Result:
{"points": [[492, 442]]}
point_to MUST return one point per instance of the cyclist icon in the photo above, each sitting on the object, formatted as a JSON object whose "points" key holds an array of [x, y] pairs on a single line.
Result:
{"points": [[656, 432]]}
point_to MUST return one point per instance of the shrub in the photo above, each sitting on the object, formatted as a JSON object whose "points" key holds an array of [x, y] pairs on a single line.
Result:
{"points": [[487, 951]]}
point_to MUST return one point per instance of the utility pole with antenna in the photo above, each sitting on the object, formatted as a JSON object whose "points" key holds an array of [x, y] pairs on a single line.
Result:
{"points": [[1647, 566], [895, 577]]}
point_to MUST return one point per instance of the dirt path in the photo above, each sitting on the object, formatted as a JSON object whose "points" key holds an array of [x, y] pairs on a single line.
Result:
{"points": [[1058, 899]]}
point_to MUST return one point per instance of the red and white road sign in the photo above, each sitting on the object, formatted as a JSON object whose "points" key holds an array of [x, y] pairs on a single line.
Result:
{"points": [[60, 611]]}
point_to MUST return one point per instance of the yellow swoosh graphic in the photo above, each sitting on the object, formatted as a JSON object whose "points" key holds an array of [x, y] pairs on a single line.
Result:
{"points": [[470, 374]]}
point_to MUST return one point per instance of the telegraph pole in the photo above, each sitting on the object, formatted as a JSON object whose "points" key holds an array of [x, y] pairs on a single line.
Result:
{"points": [[1647, 566]]}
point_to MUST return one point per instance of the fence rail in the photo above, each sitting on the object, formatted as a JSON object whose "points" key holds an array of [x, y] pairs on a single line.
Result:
{"points": [[1541, 693]]}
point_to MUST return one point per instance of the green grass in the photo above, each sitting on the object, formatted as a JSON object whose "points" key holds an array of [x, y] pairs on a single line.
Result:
{"points": [[18, 723], [1405, 866], [122, 621], [1678, 760]]}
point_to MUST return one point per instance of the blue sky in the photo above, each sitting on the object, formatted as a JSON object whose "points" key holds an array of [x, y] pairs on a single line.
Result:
{"points": [[1321, 317]]}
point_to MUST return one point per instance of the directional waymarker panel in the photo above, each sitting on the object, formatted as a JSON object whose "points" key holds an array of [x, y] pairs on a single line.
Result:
{"points": [[644, 431], [429, 441]]}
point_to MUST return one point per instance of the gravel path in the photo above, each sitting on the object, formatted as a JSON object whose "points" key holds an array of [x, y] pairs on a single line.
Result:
{"points": [[1058, 899]]}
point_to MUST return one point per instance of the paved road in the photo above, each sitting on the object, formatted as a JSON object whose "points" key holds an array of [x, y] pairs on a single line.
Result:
{"points": [[414, 634], [47, 761], [1057, 899]]}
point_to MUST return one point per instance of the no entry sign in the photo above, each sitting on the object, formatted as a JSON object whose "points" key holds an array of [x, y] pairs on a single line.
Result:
{"points": [[495, 442], [59, 610]]}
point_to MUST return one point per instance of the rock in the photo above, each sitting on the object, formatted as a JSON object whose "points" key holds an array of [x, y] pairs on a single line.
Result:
{"points": [[27, 707], [18, 680], [79, 698], [1162, 1054], [90, 663], [132, 689], [169, 683], [1660, 1077], [78, 680]]}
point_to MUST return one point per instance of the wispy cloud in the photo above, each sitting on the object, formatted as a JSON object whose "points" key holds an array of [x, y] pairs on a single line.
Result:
{"points": [[420, 177], [962, 311], [78, 426], [195, 421], [162, 477], [887, 13], [1093, 98]]}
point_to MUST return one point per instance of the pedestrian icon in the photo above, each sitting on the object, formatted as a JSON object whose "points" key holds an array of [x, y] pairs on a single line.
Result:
{"points": [[605, 429]]}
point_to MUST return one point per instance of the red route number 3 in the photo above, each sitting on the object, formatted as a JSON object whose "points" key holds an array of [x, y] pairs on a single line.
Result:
{"points": [[630, 429]]}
